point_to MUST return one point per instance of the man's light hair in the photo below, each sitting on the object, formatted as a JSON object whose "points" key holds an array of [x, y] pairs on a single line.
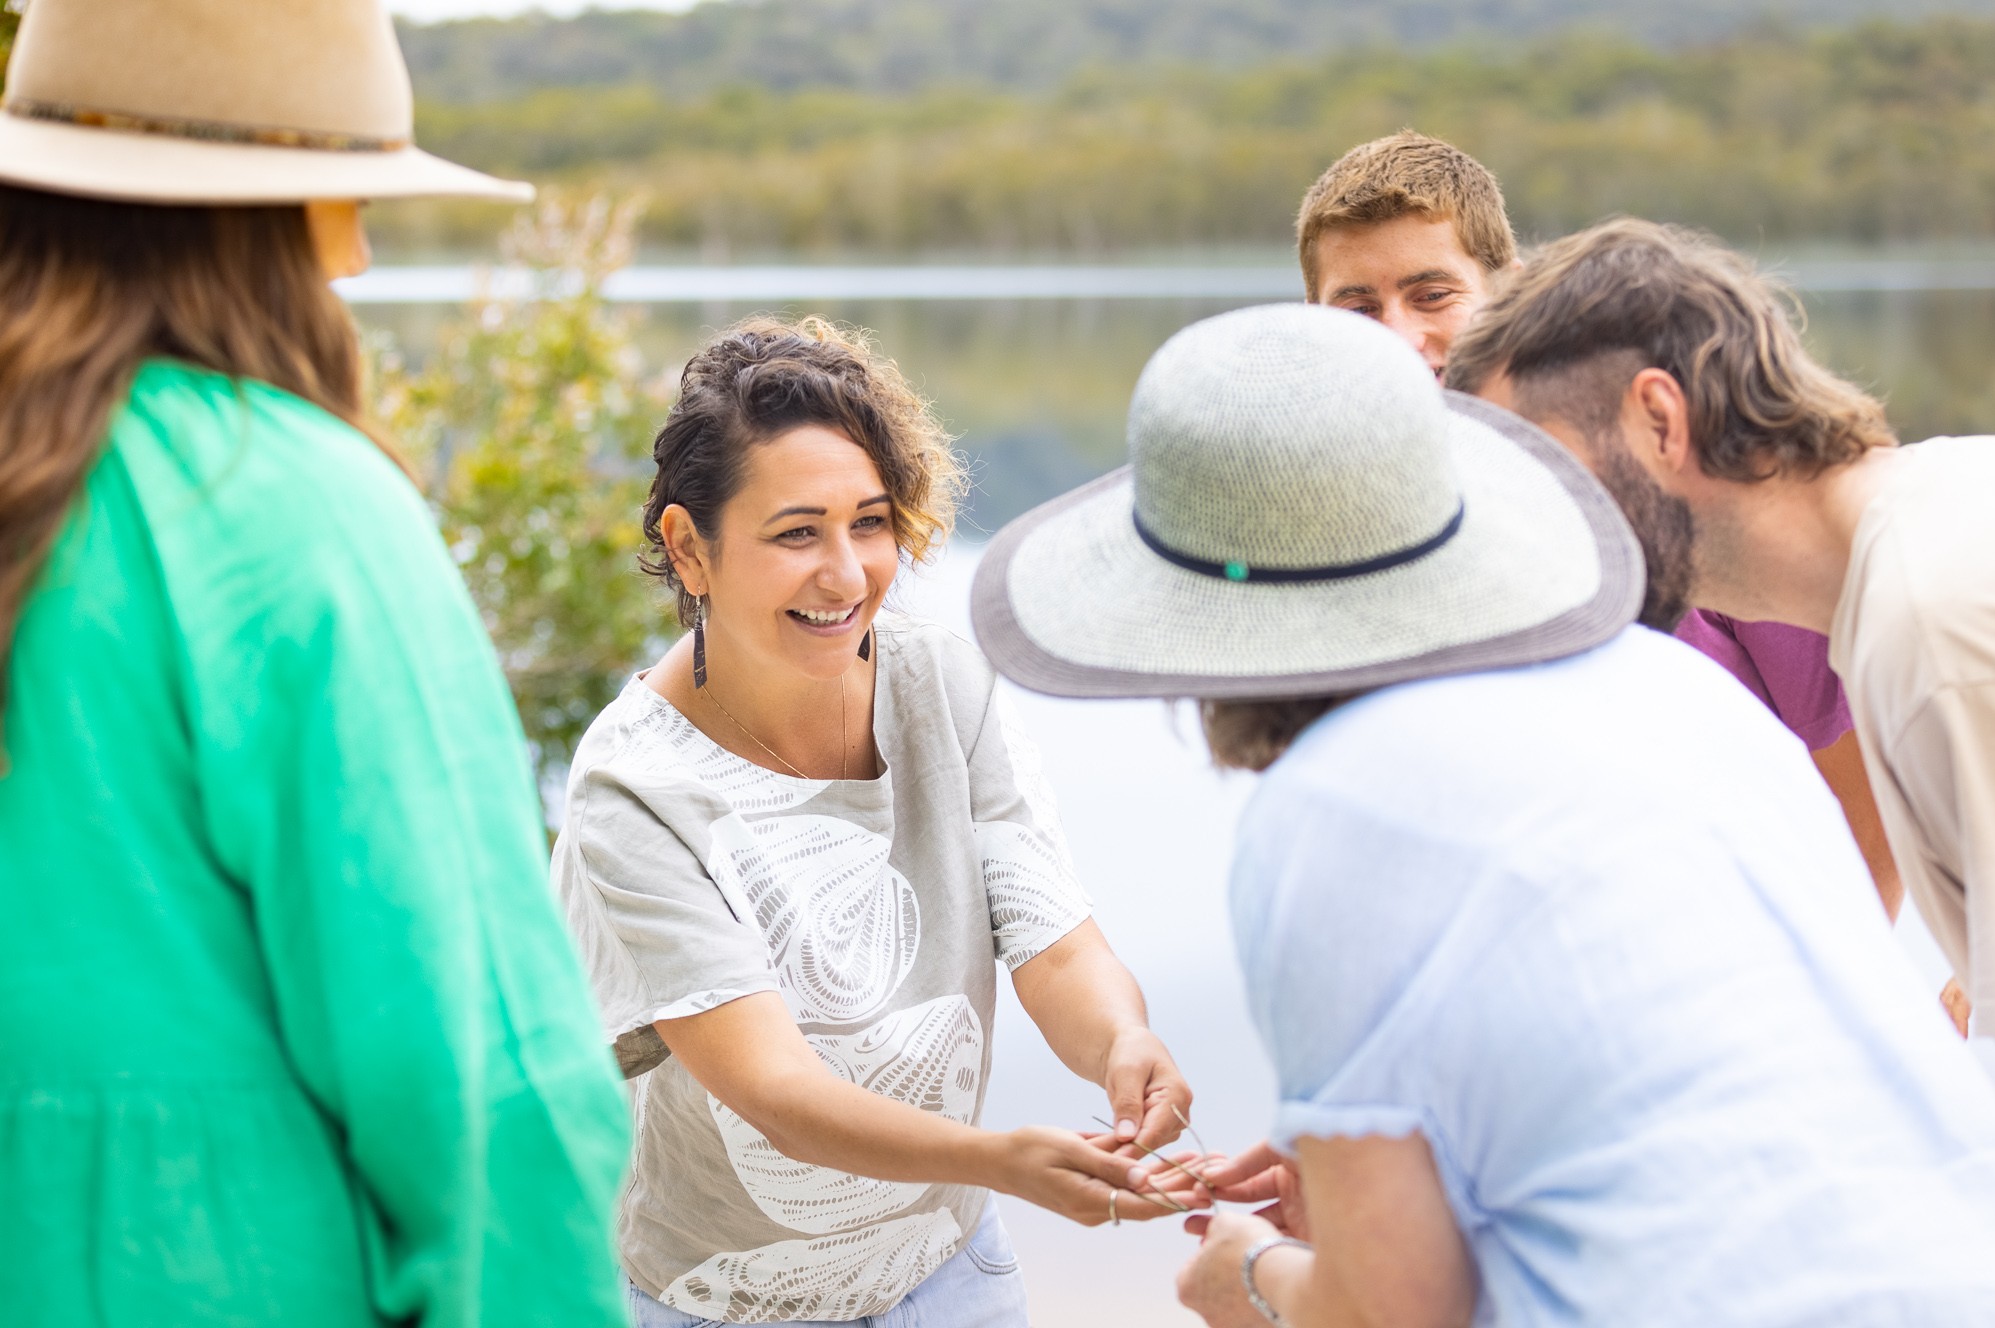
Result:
{"points": [[1591, 311], [1407, 175]]}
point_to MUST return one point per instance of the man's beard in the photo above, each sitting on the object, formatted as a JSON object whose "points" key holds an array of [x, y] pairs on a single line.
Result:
{"points": [[1662, 526]]}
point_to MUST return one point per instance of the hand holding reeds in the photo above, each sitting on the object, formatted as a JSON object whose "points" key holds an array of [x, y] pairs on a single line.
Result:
{"points": [[1173, 1183], [1071, 1175]]}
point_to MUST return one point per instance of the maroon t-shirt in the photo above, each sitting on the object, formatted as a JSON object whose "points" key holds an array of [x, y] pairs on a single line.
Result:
{"points": [[1786, 667]]}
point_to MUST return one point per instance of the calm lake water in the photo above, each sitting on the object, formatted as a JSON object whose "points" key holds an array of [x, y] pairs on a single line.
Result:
{"points": [[1037, 387]]}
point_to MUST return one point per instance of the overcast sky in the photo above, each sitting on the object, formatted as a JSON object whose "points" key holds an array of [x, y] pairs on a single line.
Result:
{"points": [[430, 10]]}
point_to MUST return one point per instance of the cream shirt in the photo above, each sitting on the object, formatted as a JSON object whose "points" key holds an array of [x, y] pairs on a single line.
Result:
{"points": [[1914, 641], [877, 908]]}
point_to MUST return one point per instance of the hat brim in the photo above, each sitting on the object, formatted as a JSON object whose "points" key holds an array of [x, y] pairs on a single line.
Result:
{"points": [[156, 168], [1068, 600]]}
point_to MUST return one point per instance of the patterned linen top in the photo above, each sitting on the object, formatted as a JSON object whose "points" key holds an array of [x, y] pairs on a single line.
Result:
{"points": [[692, 877]]}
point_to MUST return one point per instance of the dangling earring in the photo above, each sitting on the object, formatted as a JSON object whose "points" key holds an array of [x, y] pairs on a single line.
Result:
{"points": [[700, 645], [866, 645]]}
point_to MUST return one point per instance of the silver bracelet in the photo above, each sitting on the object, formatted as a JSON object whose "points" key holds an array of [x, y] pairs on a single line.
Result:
{"points": [[1247, 1262]]}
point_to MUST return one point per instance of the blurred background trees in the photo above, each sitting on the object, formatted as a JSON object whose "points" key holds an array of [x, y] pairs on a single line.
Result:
{"points": [[898, 47], [1090, 127], [530, 423]]}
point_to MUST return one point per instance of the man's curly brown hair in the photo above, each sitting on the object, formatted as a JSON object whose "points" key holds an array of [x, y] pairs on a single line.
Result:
{"points": [[762, 378]]}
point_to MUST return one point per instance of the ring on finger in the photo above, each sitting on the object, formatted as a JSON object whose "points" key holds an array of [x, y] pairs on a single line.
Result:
{"points": [[1114, 1219]]}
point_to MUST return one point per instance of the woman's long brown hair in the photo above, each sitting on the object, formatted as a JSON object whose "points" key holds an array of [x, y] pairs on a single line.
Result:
{"points": [[90, 289]]}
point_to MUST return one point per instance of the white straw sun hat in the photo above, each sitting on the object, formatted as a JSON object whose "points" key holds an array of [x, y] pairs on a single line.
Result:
{"points": [[218, 102], [1305, 513]]}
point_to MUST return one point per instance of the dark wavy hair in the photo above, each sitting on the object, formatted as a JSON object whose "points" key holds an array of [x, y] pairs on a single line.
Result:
{"points": [[762, 378], [89, 289]]}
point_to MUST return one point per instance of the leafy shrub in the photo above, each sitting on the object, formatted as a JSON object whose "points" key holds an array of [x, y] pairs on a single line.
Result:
{"points": [[531, 427]]}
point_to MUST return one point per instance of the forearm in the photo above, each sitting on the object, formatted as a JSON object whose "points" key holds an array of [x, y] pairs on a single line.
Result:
{"points": [[1307, 1292], [813, 1116], [752, 1058], [1082, 998], [1842, 769]]}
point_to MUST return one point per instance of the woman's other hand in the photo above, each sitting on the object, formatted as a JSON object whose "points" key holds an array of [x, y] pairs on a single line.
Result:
{"points": [[1148, 1097], [1210, 1284], [1091, 1012], [1263, 1176]]}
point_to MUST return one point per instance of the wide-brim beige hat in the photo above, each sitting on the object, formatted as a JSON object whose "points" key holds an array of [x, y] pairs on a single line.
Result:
{"points": [[219, 102], [1305, 513]]}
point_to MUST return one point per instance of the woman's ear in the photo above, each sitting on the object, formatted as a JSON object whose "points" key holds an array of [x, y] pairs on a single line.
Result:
{"points": [[691, 556]]}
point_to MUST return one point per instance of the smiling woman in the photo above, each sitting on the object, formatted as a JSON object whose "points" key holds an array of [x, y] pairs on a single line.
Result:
{"points": [[793, 850]]}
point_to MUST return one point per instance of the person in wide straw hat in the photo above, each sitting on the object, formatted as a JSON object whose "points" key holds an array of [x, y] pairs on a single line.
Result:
{"points": [[1562, 1032], [292, 1032]]}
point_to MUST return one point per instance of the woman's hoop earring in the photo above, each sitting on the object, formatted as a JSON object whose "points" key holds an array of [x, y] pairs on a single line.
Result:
{"points": [[700, 644]]}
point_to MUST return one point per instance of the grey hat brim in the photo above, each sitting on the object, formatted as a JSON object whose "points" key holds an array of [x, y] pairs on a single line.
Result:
{"points": [[1069, 601], [134, 167]]}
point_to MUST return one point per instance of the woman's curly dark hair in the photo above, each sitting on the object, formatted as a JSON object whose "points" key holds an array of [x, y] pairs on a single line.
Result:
{"points": [[760, 379]]}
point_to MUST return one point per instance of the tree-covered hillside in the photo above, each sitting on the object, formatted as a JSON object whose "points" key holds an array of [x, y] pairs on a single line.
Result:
{"points": [[898, 46], [1874, 133]]}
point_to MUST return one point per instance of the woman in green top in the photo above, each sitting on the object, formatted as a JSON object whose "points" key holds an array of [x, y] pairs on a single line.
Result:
{"points": [[289, 1030]]}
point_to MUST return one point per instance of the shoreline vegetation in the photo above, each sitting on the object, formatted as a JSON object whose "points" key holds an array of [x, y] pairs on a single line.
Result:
{"points": [[1871, 134]]}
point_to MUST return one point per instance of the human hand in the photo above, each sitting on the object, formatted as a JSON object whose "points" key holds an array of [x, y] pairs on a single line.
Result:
{"points": [[1263, 1176], [1210, 1284], [1956, 1004], [1148, 1098], [1067, 1174]]}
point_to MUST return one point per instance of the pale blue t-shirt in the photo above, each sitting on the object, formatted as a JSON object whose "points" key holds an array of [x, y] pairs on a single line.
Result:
{"points": [[1598, 931]]}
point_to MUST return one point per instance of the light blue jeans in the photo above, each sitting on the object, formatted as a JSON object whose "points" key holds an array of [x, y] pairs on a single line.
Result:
{"points": [[979, 1288]]}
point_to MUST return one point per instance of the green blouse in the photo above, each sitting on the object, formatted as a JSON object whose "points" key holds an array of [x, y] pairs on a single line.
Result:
{"points": [[290, 1032]]}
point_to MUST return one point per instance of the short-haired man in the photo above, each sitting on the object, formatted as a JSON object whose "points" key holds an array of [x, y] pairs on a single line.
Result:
{"points": [[1764, 487], [1410, 231], [1413, 232]]}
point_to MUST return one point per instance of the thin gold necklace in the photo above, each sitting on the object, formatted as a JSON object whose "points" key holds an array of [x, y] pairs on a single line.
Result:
{"points": [[844, 740]]}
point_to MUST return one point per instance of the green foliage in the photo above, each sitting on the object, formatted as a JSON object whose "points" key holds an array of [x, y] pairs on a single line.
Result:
{"points": [[900, 46], [1866, 134], [10, 22], [531, 423]]}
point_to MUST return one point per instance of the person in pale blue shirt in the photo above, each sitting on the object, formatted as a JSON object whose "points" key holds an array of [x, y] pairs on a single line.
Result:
{"points": [[1639, 1005], [1580, 1002]]}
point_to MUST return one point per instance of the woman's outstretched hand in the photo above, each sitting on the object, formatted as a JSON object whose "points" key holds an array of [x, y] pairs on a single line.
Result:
{"points": [[1068, 1174], [1259, 1175]]}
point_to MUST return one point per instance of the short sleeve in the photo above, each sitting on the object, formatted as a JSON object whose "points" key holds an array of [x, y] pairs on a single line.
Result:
{"points": [[661, 937], [1301, 871], [1786, 667], [1035, 897], [1351, 971], [1801, 687]]}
